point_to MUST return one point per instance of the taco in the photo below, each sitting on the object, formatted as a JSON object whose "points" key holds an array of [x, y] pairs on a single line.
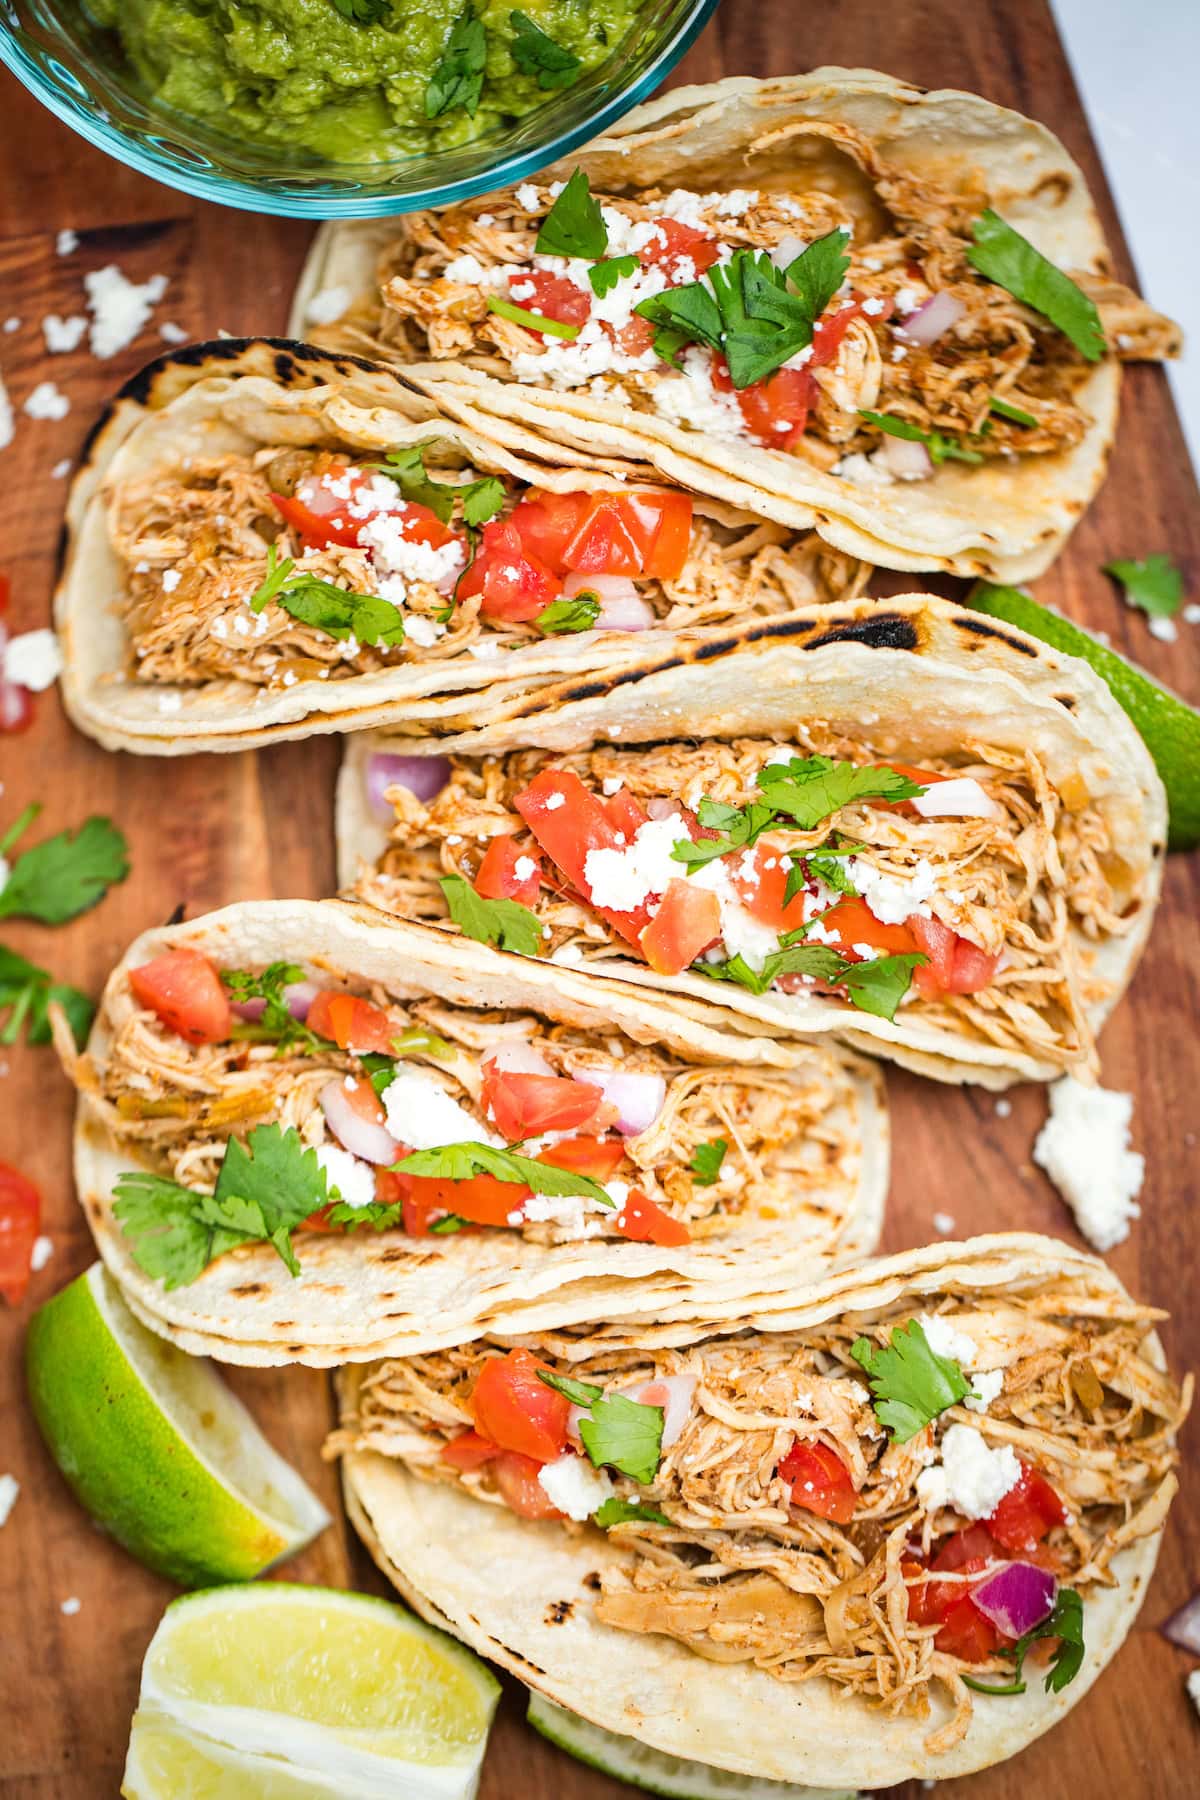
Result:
{"points": [[843, 302], [940, 841], [823, 1544], [309, 1134], [266, 542]]}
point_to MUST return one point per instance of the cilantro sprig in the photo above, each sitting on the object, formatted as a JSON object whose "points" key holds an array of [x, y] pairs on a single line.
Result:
{"points": [[532, 321], [505, 923], [457, 79], [276, 1023], [624, 1512], [801, 793], [620, 1433], [577, 614], [940, 447], [368, 618], [405, 465], [1005, 409], [911, 1384], [462, 1162], [876, 986], [535, 53], [1066, 1624], [1153, 584], [574, 226], [26, 994], [604, 275], [706, 1162], [1010, 260], [65, 875]]}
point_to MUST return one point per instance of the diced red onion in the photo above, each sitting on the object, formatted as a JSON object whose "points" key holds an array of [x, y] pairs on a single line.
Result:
{"points": [[674, 1393], [933, 319], [659, 807], [1017, 1598], [518, 1058], [905, 458], [424, 776], [300, 996], [638, 1098], [362, 1137], [1183, 1627], [622, 607], [249, 1009]]}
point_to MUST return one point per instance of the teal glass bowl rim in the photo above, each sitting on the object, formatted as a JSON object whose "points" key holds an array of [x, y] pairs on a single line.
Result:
{"points": [[247, 195]]}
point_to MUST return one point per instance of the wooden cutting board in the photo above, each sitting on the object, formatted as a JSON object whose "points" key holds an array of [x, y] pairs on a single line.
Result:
{"points": [[204, 831]]}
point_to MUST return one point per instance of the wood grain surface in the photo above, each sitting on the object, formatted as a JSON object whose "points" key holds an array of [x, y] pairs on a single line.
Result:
{"points": [[205, 831]]}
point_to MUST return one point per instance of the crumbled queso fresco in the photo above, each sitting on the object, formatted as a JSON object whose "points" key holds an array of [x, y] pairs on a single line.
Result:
{"points": [[1085, 1150], [971, 1477]]}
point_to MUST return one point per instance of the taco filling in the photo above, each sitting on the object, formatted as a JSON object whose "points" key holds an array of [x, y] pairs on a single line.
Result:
{"points": [[892, 1503], [968, 892], [874, 352], [284, 565], [257, 1107]]}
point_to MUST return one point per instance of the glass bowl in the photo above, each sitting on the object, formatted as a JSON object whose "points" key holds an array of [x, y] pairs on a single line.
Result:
{"points": [[69, 64]]}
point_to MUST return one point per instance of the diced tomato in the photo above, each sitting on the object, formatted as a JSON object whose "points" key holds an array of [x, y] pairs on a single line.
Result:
{"points": [[820, 1481], [20, 1219], [470, 1451], [569, 821], [852, 922], [547, 522], [775, 410], [513, 1407], [554, 297], [688, 920], [526, 1105], [643, 1221], [673, 240], [829, 332], [517, 1478], [481, 1199], [185, 991], [598, 1157], [671, 538], [966, 1634], [497, 877], [955, 966], [964, 1553], [603, 543], [352, 1024], [635, 337], [512, 584], [321, 515], [626, 812], [1027, 1513], [973, 968], [762, 886]]}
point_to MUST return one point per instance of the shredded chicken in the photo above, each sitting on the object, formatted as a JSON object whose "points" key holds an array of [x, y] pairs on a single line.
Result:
{"points": [[740, 1573], [792, 1146], [1037, 885], [997, 348], [195, 542]]}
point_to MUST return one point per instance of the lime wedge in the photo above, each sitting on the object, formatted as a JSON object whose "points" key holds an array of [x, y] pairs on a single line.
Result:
{"points": [[165, 1762], [1169, 727], [325, 1687], [675, 1776], [156, 1447]]}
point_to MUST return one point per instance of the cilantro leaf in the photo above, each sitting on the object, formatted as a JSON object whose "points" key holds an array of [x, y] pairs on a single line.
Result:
{"points": [[536, 54], [368, 618], [1154, 584], [605, 275], [277, 573], [706, 1161], [379, 1215], [579, 1393], [1064, 1623], [625, 1435], [406, 467], [446, 1227], [574, 226], [875, 986], [826, 864], [481, 499], [1006, 410], [879, 984], [461, 1162], [940, 447], [1010, 260], [26, 993], [457, 80], [521, 315], [276, 1023], [910, 1383], [620, 1512], [737, 827], [505, 923], [809, 789], [169, 1240], [818, 272], [63, 876], [362, 12], [577, 614]]}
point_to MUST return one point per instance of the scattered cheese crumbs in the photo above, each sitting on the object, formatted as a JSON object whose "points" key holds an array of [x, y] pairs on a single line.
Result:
{"points": [[43, 1250], [6, 417], [987, 1384], [33, 660], [944, 1223], [527, 197], [567, 1211], [612, 784], [554, 801], [47, 402], [1165, 630], [567, 953], [63, 334], [10, 1487], [863, 471], [1003, 1108], [1084, 1149], [574, 1486], [421, 1114], [170, 580], [1191, 613], [328, 305], [971, 1477], [119, 307], [353, 1178], [171, 333], [690, 399], [67, 242], [945, 1340], [892, 898], [624, 879], [61, 469], [12, 324], [71, 1606]]}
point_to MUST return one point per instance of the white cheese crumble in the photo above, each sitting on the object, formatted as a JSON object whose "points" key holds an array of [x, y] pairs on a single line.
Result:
{"points": [[743, 934], [554, 801], [623, 880], [574, 1486], [170, 580], [570, 954], [61, 469], [1003, 1108], [1165, 630], [12, 324], [47, 402], [1084, 1149], [944, 1339], [944, 1223], [690, 399], [567, 1211], [527, 197], [67, 241], [962, 798], [971, 1477], [33, 660], [353, 1178], [893, 898], [119, 307], [63, 334], [10, 1487], [328, 305], [394, 554], [863, 471], [424, 1116], [70, 1606], [43, 1250], [987, 1384], [171, 333]]}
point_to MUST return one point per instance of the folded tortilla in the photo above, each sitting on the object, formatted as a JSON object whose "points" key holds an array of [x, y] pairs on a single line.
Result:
{"points": [[848, 146], [618, 1625], [917, 680], [169, 528], [807, 1186]]}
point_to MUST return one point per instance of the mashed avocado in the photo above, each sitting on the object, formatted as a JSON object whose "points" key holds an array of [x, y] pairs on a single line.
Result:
{"points": [[303, 75]]}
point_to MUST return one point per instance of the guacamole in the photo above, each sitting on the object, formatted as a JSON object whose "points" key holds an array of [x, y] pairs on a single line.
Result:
{"points": [[361, 80]]}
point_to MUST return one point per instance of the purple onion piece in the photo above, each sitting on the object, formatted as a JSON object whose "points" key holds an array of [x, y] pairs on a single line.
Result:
{"points": [[1183, 1627], [424, 776], [300, 996], [1018, 1597]]}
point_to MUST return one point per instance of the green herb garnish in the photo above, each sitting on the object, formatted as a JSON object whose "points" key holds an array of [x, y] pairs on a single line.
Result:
{"points": [[1154, 584], [276, 1023], [63, 876], [940, 447], [1011, 261], [910, 1383], [577, 614], [574, 226], [706, 1162], [605, 275], [505, 923], [1064, 1623], [622, 1512], [1006, 410], [536, 54], [368, 618], [520, 315], [458, 78], [482, 499], [26, 993], [801, 793], [621, 1433], [461, 1162]]}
